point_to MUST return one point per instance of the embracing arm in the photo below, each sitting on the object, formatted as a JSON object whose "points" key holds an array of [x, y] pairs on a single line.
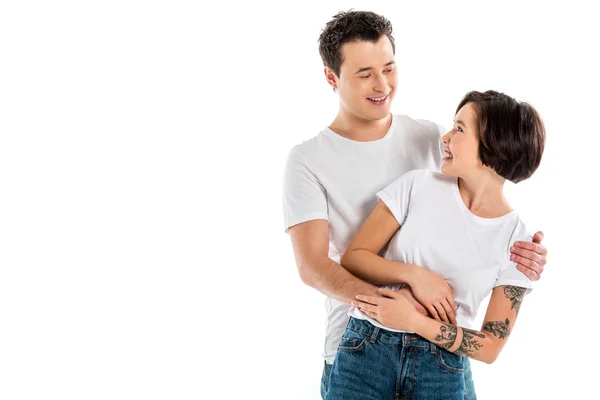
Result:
{"points": [[310, 241], [484, 345]]}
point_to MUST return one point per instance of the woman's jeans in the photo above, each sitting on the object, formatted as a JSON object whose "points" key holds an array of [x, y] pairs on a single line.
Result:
{"points": [[373, 363]]}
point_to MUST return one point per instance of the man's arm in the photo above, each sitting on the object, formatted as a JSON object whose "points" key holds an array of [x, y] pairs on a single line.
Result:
{"points": [[531, 256], [310, 241]]}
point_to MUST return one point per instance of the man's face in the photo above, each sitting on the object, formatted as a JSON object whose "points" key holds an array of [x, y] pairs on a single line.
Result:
{"points": [[368, 77]]}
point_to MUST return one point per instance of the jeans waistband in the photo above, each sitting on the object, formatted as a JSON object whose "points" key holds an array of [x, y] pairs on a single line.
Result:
{"points": [[376, 333]]}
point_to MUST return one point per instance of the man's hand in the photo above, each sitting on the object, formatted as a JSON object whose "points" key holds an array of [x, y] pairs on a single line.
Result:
{"points": [[389, 308], [531, 257], [434, 293]]}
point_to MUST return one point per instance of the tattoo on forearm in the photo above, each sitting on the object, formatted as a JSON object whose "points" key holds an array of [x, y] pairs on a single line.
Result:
{"points": [[447, 336], [469, 344], [515, 294], [501, 329]]}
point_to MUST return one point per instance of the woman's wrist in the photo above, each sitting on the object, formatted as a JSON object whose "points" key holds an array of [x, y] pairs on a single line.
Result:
{"points": [[417, 322], [409, 273]]}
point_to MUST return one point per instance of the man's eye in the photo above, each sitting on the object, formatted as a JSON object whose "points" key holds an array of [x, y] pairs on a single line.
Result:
{"points": [[389, 70], [365, 77]]}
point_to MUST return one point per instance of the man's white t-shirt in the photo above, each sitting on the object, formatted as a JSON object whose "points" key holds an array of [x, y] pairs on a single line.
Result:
{"points": [[438, 232], [334, 178]]}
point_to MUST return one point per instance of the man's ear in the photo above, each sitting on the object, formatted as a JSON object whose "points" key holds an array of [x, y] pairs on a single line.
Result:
{"points": [[331, 78]]}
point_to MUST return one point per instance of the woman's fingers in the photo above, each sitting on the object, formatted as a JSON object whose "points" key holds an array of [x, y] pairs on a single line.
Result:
{"points": [[441, 312], [449, 311], [433, 312]]}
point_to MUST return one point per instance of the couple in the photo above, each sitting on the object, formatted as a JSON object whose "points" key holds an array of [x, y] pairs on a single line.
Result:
{"points": [[447, 234]]}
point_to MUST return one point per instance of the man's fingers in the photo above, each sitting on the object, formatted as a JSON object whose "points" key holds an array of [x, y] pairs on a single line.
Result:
{"points": [[525, 253], [534, 247], [538, 237], [530, 273], [368, 299], [365, 306], [388, 293], [525, 261], [371, 314]]}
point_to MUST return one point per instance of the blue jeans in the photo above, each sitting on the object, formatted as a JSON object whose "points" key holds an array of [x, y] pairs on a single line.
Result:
{"points": [[374, 363]]}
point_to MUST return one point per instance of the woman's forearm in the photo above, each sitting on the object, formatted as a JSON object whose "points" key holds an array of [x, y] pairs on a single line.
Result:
{"points": [[465, 342], [377, 270]]}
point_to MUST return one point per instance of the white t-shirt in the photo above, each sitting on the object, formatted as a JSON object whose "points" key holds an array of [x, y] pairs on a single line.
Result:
{"points": [[334, 178], [438, 232]]}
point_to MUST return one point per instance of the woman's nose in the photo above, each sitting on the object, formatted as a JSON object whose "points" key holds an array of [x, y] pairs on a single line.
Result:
{"points": [[446, 137]]}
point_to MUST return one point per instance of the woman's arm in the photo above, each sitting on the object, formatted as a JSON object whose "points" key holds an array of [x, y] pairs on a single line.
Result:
{"points": [[361, 257], [362, 260], [484, 345]]}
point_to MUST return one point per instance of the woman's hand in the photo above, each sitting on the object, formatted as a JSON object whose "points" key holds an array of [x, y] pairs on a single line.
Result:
{"points": [[406, 291], [434, 293], [392, 310]]}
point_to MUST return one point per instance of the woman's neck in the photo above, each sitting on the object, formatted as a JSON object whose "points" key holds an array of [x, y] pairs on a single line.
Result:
{"points": [[483, 195]]}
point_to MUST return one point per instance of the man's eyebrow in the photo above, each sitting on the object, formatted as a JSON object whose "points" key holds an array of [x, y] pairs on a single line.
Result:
{"points": [[370, 68]]}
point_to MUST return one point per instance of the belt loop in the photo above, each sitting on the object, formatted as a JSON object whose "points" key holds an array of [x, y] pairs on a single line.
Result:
{"points": [[374, 335], [433, 348]]}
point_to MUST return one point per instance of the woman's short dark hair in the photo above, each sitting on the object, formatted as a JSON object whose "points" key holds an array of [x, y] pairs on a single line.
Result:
{"points": [[511, 134], [350, 26]]}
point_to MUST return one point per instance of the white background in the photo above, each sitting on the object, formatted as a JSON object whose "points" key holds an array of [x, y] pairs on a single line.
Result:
{"points": [[141, 156]]}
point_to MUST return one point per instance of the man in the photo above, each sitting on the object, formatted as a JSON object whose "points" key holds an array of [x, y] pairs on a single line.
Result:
{"points": [[331, 180]]}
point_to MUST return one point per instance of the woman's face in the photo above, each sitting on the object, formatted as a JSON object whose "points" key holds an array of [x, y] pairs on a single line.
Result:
{"points": [[461, 144]]}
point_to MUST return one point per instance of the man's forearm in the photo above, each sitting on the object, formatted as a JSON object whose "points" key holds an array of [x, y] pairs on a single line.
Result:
{"points": [[333, 280]]}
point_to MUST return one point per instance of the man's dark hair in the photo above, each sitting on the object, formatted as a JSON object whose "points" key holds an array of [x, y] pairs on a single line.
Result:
{"points": [[350, 26], [511, 134]]}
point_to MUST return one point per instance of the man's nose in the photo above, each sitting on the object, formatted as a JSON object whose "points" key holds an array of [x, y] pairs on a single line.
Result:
{"points": [[380, 84]]}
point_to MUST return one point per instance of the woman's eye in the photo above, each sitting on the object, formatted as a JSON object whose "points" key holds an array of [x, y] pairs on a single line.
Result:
{"points": [[459, 129]]}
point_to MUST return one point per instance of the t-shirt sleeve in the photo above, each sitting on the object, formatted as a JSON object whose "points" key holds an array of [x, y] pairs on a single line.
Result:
{"points": [[440, 151], [398, 194], [509, 275], [304, 198]]}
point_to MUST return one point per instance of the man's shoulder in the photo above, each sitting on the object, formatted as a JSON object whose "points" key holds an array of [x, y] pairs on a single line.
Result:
{"points": [[307, 146], [303, 150], [406, 122]]}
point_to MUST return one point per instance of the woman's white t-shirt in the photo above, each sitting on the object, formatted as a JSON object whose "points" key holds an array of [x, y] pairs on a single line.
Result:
{"points": [[438, 232]]}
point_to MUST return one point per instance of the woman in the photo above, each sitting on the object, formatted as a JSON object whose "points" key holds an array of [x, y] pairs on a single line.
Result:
{"points": [[456, 224]]}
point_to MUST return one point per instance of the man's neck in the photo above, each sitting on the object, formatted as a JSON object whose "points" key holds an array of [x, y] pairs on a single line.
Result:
{"points": [[359, 129]]}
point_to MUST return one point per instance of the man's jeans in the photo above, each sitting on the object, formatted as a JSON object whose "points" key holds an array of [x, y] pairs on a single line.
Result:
{"points": [[374, 363]]}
